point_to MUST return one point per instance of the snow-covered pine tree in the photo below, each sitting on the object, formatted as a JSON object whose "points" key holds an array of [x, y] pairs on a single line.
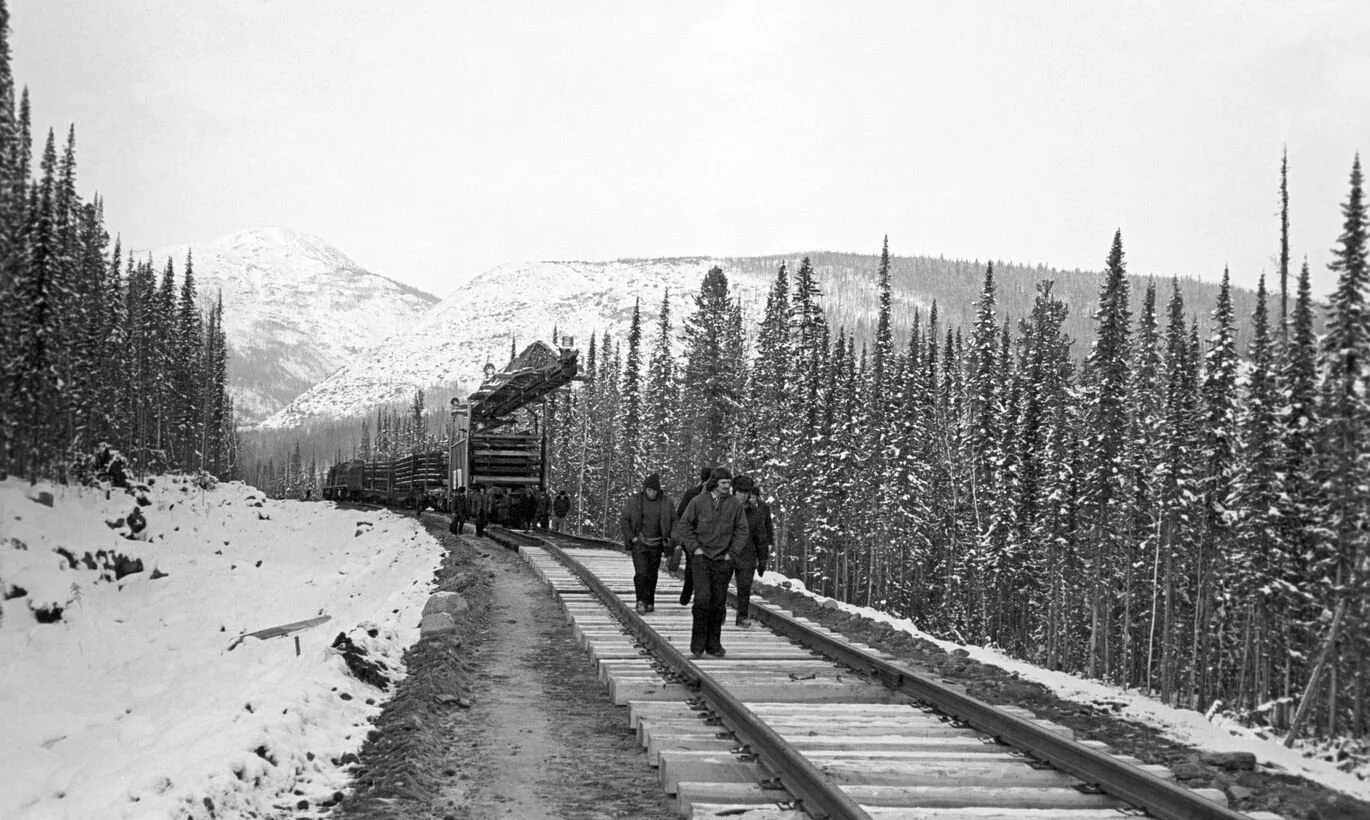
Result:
{"points": [[1344, 469], [1106, 381], [767, 387], [189, 356], [12, 202], [1300, 530], [1143, 558], [1218, 479], [630, 423], [38, 327], [710, 378], [1256, 572], [661, 415], [1179, 500]]}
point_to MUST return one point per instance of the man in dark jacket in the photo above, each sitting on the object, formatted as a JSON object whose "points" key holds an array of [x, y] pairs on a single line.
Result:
{"points": [[544, 505], [647, 520], [687, 589], [713, 531], [760, 535], [561, 507], [528, 508], [459, 511], [480, 509]]}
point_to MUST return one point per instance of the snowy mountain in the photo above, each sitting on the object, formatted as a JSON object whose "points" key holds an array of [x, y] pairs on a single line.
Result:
{"points": [[295, 309], [520, 302]]}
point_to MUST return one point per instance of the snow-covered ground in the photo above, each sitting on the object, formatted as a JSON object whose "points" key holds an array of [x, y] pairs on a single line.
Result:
{"points": [[132, 703], [1181, 725]]}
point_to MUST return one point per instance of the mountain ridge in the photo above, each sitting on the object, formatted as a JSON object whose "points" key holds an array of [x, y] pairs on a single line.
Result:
{"points": [[526, 300]]}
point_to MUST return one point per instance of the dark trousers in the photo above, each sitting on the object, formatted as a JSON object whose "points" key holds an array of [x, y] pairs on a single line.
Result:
{"points": [[458, 524], [480, 526], [710, 609], [744, 590], [646, 569], [687, 589]]}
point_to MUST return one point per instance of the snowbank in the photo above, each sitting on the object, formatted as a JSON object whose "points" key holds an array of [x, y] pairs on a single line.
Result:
{"points": [[130, 703], [1181, 725]]}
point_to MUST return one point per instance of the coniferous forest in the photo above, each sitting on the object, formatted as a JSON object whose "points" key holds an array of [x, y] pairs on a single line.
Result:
{"points": [[1162, 511], [97, 351]]}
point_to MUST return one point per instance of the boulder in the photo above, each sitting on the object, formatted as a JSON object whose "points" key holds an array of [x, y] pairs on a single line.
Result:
{"points": [[451, 603], [1231, 761], [438, 623]]}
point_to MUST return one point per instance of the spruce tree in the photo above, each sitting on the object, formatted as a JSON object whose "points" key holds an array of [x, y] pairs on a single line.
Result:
{"points": [[631, 391], [1106, 381], [1258, 568], [710, 382], [1218, 479], [661, 414]]}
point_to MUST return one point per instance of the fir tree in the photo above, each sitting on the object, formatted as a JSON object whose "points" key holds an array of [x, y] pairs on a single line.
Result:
{"points": [[631, 390], [710, 378], [1107, 381], [1218, 478]]}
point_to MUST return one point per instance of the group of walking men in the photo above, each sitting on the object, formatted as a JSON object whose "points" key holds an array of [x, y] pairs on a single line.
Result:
{"points": [[723, 530], [518, 510]]}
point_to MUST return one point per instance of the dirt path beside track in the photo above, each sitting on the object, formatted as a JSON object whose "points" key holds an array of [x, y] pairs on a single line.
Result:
{"points": [[533, 733]]}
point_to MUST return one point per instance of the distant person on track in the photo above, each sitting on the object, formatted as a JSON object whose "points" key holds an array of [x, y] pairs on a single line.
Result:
{"points": [[481, 505], [561, 508], [713, 531], [503, 507], [528, 508], [751, 561], [647, 520], [543, 506], [687, 589], [459, 511]]}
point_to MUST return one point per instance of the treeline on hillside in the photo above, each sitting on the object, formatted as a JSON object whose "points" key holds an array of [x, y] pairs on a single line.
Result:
{"points": [[1167, 513], [849, 291], [94, 351], [292, 463]]}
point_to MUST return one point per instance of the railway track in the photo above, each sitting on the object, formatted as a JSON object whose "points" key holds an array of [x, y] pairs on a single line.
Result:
{"points": [[798, 721]]}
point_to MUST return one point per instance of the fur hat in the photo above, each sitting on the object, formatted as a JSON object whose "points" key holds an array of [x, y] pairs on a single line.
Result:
{"points": [[653, 482], [720, 473], [744, 484]]}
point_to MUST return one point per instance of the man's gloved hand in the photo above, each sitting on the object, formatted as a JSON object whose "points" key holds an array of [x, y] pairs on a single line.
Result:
{"points": [[761, 569]]}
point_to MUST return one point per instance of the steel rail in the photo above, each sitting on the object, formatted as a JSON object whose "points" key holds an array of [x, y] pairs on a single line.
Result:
{"points": [[1159, 798], [820, 797]]}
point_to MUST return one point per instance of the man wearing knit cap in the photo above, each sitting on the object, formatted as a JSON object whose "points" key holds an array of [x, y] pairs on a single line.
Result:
{"points": [[713, 531], [751, 561], [647, 520]]}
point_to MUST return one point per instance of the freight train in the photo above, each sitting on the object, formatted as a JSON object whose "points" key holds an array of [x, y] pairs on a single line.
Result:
{"points": [[398, 482], [499, 439]]}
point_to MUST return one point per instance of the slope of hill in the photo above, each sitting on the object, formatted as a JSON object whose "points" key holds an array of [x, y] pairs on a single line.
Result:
{"points": [[477, 322], [295, 309]]}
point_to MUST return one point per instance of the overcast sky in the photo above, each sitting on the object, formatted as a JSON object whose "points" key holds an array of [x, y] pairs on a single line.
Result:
{"points": [[431, 140]]}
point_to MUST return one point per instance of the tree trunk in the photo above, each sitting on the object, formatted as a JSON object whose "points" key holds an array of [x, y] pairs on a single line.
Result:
{"points": [[1306, 702]]}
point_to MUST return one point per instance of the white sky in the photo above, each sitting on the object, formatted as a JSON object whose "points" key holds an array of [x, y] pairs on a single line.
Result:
{"points": [[431, 140]]}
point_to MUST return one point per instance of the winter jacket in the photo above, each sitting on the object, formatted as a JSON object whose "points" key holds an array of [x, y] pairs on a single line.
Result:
{"points": [[686, 499], [760, 536], [561, 506], [542, 505], [459, 505], [480, 505], [718, 526], [631, 520]]}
